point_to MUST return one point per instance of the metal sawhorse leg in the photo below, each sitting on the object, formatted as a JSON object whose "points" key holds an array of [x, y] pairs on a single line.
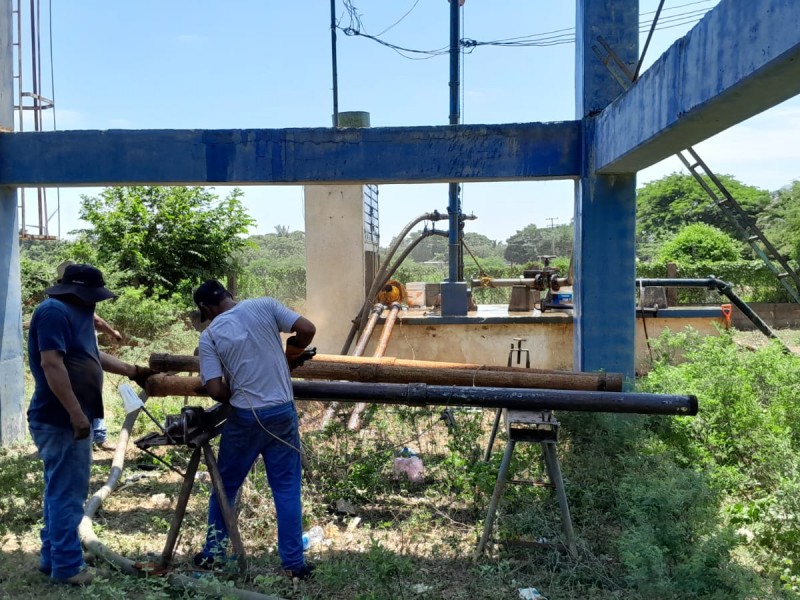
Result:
{"points": [[529, 426], [228, 514]]}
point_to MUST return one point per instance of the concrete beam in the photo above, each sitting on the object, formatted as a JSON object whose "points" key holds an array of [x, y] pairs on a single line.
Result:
{"points": [[605, 205], [12, 396], [292, 156], [741, 59]]}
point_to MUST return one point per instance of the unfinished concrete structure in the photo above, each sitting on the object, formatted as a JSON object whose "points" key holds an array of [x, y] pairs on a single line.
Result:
{"points": [[741, 59]]}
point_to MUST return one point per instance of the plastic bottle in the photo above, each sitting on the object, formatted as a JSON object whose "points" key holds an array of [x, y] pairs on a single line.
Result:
{"points": [[313, 536]]}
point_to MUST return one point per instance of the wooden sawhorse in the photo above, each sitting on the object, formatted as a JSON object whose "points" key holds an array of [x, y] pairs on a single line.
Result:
{"points": [[528, 426]]}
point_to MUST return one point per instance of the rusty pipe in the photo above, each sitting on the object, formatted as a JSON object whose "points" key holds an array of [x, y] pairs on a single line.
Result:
{"points": [[354, 424], [377, 311]]}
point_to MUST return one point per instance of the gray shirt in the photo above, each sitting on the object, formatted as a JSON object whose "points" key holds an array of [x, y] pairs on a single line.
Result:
{"points": [[244, 345]]}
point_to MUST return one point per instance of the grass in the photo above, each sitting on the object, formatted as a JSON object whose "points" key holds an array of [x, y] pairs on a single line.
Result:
{"points": [[390, 539]]}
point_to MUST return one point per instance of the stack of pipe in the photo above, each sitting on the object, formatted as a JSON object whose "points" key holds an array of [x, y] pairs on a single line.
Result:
{"points": [[424, 383]]}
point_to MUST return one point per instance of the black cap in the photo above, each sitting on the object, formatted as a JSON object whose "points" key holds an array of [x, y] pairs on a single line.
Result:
{"points": [[84, 281], [211, 292]]}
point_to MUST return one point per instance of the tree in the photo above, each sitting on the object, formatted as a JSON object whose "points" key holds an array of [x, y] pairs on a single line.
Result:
{"points": [[165, 238], [677, 200], [528, 244], [780, 221], [700, 243]]}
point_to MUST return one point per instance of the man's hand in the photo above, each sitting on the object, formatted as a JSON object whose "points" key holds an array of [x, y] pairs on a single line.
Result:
{"points": [[140, 375], [81, 428], [296, 359]]}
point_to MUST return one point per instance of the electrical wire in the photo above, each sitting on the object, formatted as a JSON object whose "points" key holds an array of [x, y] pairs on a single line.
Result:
{"points": [[554, 37], [413, 6]]}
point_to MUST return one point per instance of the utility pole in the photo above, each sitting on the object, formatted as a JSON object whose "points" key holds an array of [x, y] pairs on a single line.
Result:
{"points": [[552, 233], [333, 63]]}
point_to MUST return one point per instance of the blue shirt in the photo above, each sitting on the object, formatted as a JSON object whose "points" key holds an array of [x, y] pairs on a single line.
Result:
{"points": [[68, 329], [244, 345]]}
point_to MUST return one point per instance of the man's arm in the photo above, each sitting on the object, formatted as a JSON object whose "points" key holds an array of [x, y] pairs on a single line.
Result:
{"points": [[58, 379], [135, 373], [112, 364], [304, 331], [219, 390], [101, 325]]}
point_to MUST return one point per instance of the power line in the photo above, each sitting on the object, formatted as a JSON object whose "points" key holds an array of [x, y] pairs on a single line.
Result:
{"points": [[554, 37]]}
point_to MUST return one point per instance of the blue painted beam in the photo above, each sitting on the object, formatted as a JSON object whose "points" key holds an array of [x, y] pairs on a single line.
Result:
{"points": [[604, 328], [742, 58], [292, 156]]}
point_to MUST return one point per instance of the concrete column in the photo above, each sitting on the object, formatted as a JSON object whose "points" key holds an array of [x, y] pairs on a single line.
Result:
{"points": [[605, 206], [339, 260], [12, 395]]}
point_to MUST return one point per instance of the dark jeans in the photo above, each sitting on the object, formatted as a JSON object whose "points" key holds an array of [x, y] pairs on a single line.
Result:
{"points": [[99, 431], [66, 485], [277, 440]]}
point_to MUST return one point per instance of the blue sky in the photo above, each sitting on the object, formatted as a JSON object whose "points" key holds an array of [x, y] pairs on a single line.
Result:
{"points": [[151, 64]]}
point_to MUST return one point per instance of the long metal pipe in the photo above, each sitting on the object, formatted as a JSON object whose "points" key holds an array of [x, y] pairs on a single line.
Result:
{"points": [[377, 311], [554, 283], [454, 203], [354, 424], [334, 66], [722, 287], [421, 394]]}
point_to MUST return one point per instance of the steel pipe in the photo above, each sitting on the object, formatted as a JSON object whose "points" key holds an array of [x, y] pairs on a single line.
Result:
{"points": [[354, 424], [395, 370], [421, 394], [725, 289]]}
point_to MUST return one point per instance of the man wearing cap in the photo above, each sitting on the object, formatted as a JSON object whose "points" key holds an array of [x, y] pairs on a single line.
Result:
{"points": [[67, 370], [243, 363], [99, 431]]}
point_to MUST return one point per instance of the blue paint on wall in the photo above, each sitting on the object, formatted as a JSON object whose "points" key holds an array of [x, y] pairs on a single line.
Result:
{"points": [[605, 206], [293, 156], [742, 58], [12, 399]]}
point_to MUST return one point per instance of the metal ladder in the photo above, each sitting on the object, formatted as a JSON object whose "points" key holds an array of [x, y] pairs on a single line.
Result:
{"points": [[743, 222], [715, 189]]}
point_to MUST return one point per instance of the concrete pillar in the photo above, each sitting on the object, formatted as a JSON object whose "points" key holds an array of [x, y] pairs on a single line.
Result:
{"points": [[341, 252], [12, 395], [605, 206]]}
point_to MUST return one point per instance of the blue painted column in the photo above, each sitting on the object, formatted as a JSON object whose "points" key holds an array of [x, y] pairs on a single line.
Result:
{"points": [[605, 205], [12, 399]]}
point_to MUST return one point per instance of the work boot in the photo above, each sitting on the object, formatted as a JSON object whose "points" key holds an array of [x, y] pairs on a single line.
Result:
{"points": [[105, 446], [202, 561], [82, 577], [303, 573]]}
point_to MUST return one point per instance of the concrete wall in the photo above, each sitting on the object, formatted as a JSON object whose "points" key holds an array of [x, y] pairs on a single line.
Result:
{"points": [[550, 343], [335, 261], [778, 316]]}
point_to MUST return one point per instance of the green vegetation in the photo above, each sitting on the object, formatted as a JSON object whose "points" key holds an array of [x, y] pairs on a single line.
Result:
{"points": [[162, 238], [704, 507], [664, 507]]}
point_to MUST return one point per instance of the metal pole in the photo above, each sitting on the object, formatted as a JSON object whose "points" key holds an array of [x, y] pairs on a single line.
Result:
{"points": [[354, 424], [499, 486], [722, 287], [421, 394], [333, 61], [454, 204], [180, 508]]}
